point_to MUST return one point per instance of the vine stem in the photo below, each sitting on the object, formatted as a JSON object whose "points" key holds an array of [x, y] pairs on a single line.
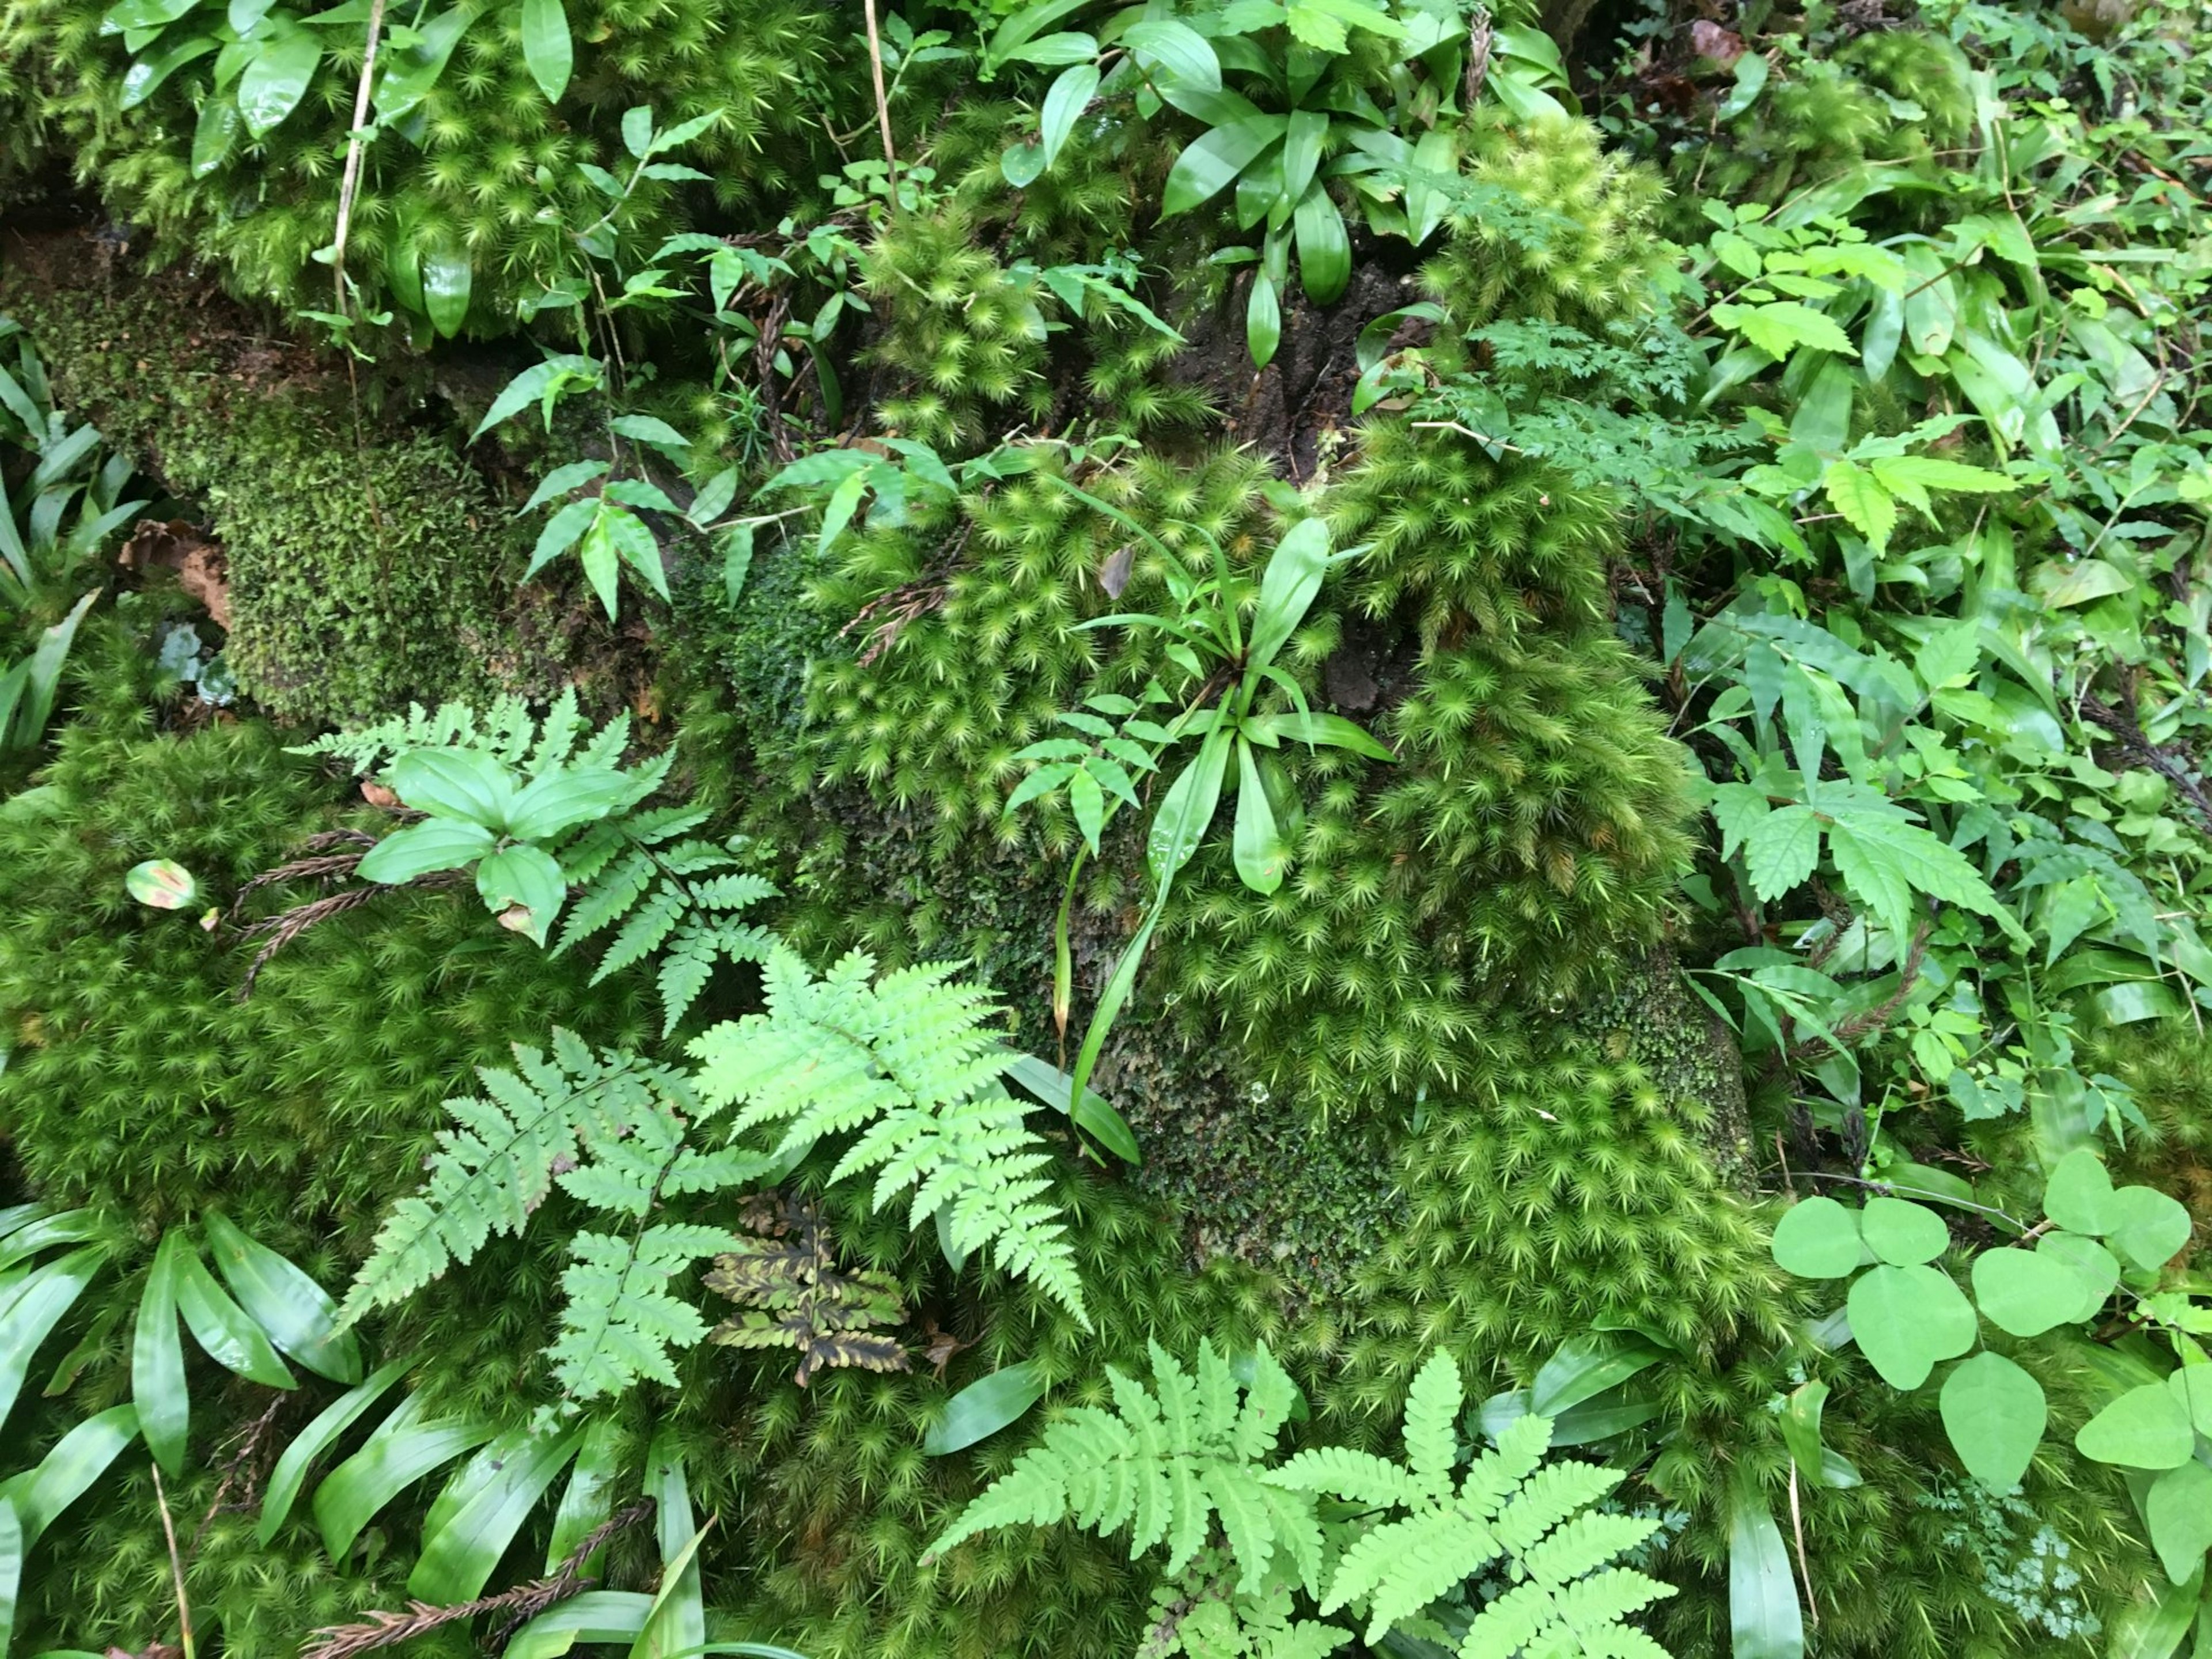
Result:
{"points": [[351, 183]]}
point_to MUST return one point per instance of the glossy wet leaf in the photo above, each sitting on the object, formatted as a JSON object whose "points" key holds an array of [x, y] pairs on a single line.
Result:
{"points": [[298, 1314], [985, 1406], [157, 1359]]}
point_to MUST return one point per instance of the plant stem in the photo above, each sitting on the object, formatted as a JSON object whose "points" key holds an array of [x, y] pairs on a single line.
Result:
{"points": [[176, 1565], [883, 101], [351, 182]]}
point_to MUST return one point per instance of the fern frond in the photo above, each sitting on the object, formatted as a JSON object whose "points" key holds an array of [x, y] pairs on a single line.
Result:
{"points": [[1580, 1621], [1399, 1567], [505, 731], [495, 1167], [909, 1062], [1548, 1497], [1432, 1409], [1154, 1469], [620, 1322], [1585, 1544], [1359, 1476]]}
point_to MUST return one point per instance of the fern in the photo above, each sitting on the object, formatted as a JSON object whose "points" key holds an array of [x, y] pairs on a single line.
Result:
{"points": [[1162, 1462], [506, 731], [611, 1132], [909, 1060], [786, 1277], [1201, 1616], [1505, 1505], [679, 897]]}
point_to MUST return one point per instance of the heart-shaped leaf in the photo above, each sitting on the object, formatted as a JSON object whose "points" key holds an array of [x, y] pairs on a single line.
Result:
{"points": [[1903, 1234], [2148, 1228], [1995, 1413], [2026, 1293], [2179, 1510], [2079, 1197], [1905, 1319], [1817, 1238], [2096, 1270], [2192, 1386], [2145, 1428]]}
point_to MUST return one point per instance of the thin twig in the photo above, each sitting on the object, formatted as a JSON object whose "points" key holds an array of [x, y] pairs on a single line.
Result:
{"points": [[1469, 432], [1797, 1525], [351, 182], [176, 1562], [883, 101]]}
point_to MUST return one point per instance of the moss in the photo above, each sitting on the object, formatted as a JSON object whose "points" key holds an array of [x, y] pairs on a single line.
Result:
{"points": [[365, 557], [467, 183], [1651, 1018]]}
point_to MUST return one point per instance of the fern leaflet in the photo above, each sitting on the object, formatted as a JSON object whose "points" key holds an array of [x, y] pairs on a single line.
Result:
{"points": [[908, 1061]]}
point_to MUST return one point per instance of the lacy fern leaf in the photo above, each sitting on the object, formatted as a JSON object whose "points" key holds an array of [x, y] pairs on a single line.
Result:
{"points": [[1508, 1505], [620, 1322], [496, 1166], [680, 897], [909, 1060], [1162, 1462], [506, 731]]}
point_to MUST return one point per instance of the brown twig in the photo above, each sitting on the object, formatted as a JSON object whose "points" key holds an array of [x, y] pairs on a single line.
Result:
{"points": [[2133, 740], [249, 1441], [524, 1602]]}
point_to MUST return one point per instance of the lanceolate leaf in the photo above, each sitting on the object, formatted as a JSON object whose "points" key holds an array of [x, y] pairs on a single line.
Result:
{"points": [[589, 1497], [299, 1316], [66, 1474], [223, 1328], [546, 47], [985, 1406], [401, 1451], [1070, 95], [1764, 1621], [34, 1310], [291, 1471], [505, 1481], [157, 1359], [676, 1625]]}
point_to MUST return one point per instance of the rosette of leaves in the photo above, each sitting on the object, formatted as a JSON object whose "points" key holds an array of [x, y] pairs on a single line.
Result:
{"points": [[786, 1278], [1909, 1315]]}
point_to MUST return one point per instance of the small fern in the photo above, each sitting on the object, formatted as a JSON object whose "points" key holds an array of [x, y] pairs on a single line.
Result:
{"points": [[909, 1060], [609, 1131], [679, 897], [1164, 1462], [506, 731], [1169, 1461], [1509, 1504]]}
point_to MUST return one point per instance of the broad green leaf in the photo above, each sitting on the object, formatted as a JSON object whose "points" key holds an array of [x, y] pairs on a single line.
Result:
{"points": [[563, 798], [531, 385], [1324, 246], [2178, 1511], [2095, 1269], [145, 77], [277, 80], [1212, 161], [1995, 1413], [546, 47], [299, 1316], [1260, 853], [1263, 321], [401, 1451], [1905, 1319], [42, 1233], [1889, 864], [448, 278], [222, 1328], [524, 876], [458, 1558], [2079, 1195], [561, 533], [1801, 1432], [1866, 504], [160, 884], [985, 1406], [1069, 95], [1087, 801], [2146, 1428], [602, 558], [1186, 810], [2148, 1228], [454, 783], [1780, 327], [676, 1623], [66, 1472], [28, 1317], [333, 1420], [1095, 1117], [2026, 1293], [1330, 731], [408, 75], [1288, 589], [1764, 1621], [1174, 50], [1587, 1366], [593, 1617], [1817, 1238], [589, 1497], [215, 135], [422, 848], [1902, 1233], [1780, 850], [157, 1360]]}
